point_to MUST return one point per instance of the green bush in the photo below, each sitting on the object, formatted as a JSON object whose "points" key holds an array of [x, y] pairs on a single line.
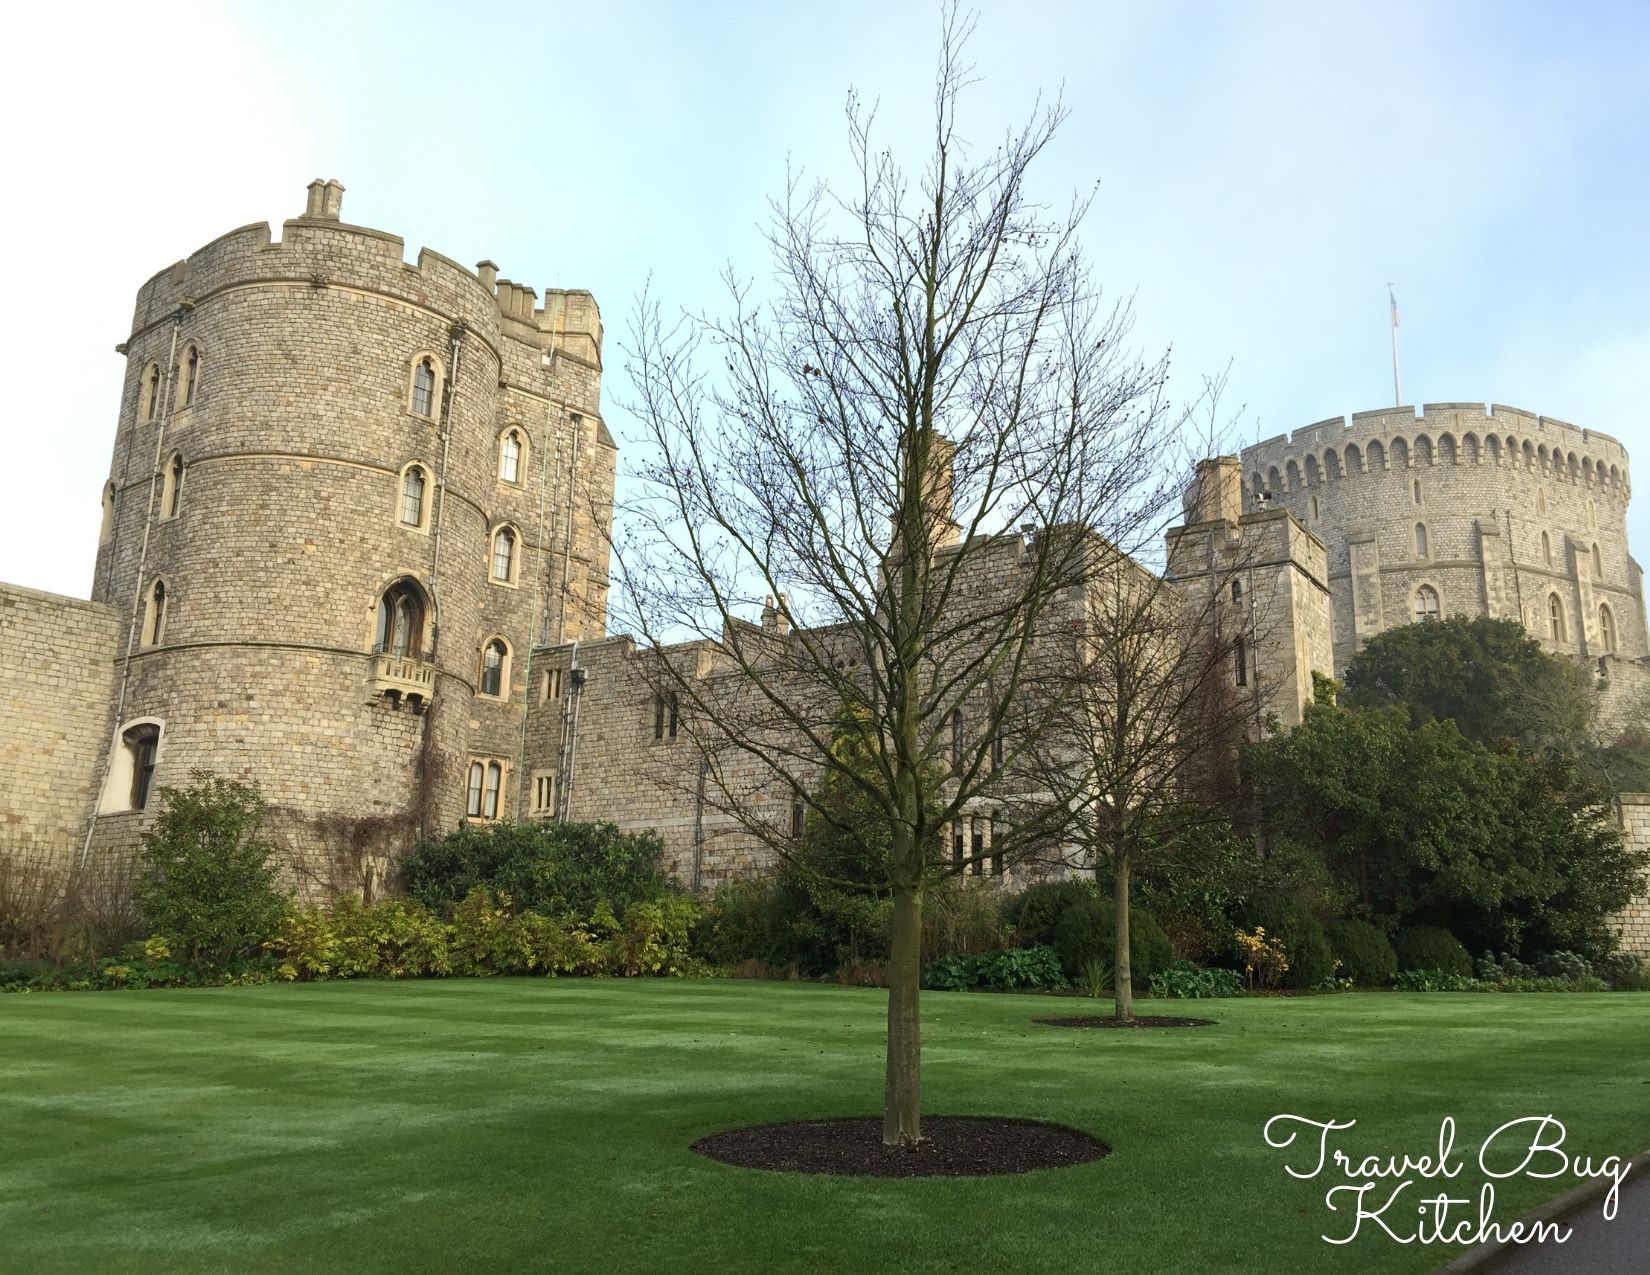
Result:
{"points": [[1311, 962], [1087, 931], [1033, 913], [1185, 980], [1364, 952], [1424, 980], [559, 869], [1017, 969], [962, 914], [1431, 947], [206, 881], [1625, 972]]}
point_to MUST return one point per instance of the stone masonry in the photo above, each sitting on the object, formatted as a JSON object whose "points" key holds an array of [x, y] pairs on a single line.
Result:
{"points": [[1633, 924], [56, 695]]}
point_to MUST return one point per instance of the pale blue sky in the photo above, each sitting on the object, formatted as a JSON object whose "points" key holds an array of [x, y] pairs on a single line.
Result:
{"points": [[1265, 169]]}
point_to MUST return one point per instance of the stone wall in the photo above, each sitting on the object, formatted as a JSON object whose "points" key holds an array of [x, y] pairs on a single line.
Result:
{"points": [[1633, 924], [57, 688], [1510, 507]]}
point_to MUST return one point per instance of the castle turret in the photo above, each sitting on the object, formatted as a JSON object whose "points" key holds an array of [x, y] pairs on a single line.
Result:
{"points": [[349, 496]]}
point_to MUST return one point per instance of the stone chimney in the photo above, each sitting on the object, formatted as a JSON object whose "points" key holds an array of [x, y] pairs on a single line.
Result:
{"points": [[776, 617], [326, 200], [1215, 493], [487, 272]]}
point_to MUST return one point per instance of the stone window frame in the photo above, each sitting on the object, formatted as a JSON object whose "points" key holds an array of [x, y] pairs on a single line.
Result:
{"points": [[486, 788], [1422, 541], [1423, 592], [426, 603], [187, 393], [422, 526], [665, 715], [1557, 629], [506, 656], [149, 393], [120, 787], [436, 390], [543, 802], [155, 601], [514, 578], [1546, 550], [1606, 628], [1598, 562], [520, 436], [172, 478], [551, 686]]}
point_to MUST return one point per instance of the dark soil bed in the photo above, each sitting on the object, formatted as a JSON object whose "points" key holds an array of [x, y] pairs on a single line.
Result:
{"points": [[952, 1146], [1144, 1020]]}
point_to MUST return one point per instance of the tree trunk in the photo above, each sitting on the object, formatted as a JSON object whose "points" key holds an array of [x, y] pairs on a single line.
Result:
{"points": [[1122, 980], [902, 1096]]}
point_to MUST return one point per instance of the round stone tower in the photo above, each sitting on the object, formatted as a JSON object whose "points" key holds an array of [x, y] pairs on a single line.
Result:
{"points": [[1464, 510], [349, 497]]}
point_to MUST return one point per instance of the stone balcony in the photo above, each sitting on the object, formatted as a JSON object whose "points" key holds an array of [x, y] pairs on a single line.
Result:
{"points": [[396, 680]]}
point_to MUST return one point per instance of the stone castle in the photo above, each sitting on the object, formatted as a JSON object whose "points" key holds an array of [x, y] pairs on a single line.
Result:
{"points": [[355, 547]]}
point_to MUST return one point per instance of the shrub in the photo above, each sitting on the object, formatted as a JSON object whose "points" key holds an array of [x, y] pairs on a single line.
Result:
{"points": [[1264, 957], [1432, 980], [559, 869], [1365, 953], [1086, 930], [207, 884], [1017, 969], [962, 914], [1033, 913], [1625, 972], [1311, 962], [1193, 982], [1430, 947]]}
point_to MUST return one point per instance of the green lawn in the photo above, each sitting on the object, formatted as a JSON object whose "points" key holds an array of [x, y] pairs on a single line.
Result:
{"points": [[520, 1124]]}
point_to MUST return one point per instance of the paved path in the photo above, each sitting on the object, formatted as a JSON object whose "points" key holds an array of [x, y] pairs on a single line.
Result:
{"points": [[1596, 1247]]}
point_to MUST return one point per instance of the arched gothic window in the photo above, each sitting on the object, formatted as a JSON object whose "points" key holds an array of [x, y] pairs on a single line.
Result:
{"points": [[509, 457], [504, 555], [171, 488], [1546, 550], [400, 629], [1598, 564], [1555, 618], [423, 388], [1420, 540], [412, 496], [1606, 630], [154, 618], [1426, 604], [142, 744], [149, 393], [494, 659], [189, 373]]}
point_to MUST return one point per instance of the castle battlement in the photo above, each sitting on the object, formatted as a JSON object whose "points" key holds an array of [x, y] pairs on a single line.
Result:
{"points": [[320, 250], [1440, 434]]}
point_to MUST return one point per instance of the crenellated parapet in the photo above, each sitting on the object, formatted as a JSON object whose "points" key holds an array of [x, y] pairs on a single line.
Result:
{"points": [[1439, 434]]}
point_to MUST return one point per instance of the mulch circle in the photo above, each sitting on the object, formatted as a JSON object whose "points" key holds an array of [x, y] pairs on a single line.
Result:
{"points": [[952, 1146], [1145, 1020]]}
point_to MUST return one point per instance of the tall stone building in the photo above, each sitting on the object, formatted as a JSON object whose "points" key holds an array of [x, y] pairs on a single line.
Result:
{"points": [[348, 498]]}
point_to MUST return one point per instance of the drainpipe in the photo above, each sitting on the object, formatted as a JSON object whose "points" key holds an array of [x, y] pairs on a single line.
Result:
{"points": [[538, 569], [163, 415], [456, 332], [574, 444], [575, 689]]}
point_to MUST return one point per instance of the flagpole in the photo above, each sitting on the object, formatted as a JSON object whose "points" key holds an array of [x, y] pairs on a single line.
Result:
{"points": [[1397, 390]]}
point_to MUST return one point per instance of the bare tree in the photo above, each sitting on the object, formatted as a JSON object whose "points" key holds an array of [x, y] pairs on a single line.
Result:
{"points": [[1158, 688], [921, 450]]}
